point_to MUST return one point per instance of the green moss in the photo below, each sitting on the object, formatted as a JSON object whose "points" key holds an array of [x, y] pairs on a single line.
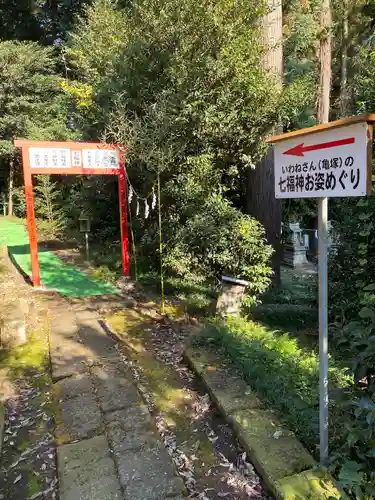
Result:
{"points": [[23, 445], [314, 484], [275, 458], [34, 354], [3, 269], [33, 485], [175, 311], [171, 398]]}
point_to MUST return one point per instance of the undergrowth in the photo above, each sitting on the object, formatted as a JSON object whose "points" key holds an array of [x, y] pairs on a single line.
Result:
{"points": [[285, 376]]}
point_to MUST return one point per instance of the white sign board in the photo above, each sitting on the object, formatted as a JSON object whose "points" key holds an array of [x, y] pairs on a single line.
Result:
{"points": [[100, 158], [63, 158], [329, 163], [49, 158]]}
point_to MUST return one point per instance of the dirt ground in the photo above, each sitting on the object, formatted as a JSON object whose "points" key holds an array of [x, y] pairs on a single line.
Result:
{"points": [[28, 461]]}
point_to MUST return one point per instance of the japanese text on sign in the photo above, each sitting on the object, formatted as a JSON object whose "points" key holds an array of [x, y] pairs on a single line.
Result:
{"points": [[333, 163], [49, 158], [64, 158], [100, 158]]}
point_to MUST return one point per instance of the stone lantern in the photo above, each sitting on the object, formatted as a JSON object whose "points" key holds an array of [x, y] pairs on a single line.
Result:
{"points": [[294, 248]]}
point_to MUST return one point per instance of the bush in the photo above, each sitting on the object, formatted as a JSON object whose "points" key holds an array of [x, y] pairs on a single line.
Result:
{"points": [[218, 240]]}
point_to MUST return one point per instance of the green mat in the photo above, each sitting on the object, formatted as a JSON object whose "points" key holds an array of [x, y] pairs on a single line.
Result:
{"points": [[54, 274]]}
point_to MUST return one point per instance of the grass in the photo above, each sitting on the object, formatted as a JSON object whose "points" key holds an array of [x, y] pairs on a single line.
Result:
{"points": [[296, 287], [292, 305], [284, 375]]}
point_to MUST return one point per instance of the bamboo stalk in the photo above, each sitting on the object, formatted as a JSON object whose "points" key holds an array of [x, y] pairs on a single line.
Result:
{"points": [[133, 240], [161, 252]]}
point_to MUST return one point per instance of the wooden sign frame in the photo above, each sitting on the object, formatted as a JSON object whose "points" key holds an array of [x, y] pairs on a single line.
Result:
{"points": [[76, 150], [368, 118]]}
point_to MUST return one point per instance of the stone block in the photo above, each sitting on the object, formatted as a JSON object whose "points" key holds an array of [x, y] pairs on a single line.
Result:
{"points": [[148, 475], [95, 339], [69, 357], [314, 484], [231, 297], [73, 387], [131, 429], [114, 391], [275, 451], [87, 471], [80, 418], [229, 391], [136, 417]]}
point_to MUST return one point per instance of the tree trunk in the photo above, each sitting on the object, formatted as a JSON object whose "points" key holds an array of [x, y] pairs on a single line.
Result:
{"points": [[344, 95], [10, 187], [261, 201], [325, 63]]}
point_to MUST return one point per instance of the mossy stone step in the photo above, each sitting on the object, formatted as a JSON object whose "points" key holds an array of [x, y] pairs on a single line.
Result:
{"points": [[287, 469], [309, 485]]}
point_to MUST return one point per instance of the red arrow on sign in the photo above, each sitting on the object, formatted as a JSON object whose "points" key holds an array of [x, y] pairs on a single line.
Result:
{"points": [[300, 149]]}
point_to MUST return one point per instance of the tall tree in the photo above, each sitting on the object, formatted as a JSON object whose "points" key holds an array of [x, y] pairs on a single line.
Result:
{"points": [[344, 94], [261, 201], [325, 63], [32, 102]]}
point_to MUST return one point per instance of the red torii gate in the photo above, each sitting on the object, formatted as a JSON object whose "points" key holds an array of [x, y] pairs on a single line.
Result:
{"points": [[71, 158]]}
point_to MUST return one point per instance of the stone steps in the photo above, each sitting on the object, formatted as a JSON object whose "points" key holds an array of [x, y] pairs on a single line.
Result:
{"points": [[109, 447]]}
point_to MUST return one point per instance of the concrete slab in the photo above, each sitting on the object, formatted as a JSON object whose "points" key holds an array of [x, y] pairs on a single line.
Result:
{"points": [[95, 339], [114, 391], [87, 315], [80, 418], [135, 417], [130, 432], [74, 386], [63, 325], [274, 457], [87, 471], [69, 355], [112, 367], [148, 475]]}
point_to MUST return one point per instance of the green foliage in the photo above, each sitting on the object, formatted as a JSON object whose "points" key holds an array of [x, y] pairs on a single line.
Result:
{"points": [[192, 86], [32, 103], [219, 240], [285, 375], [352, 311], [50, 216], [31, 99], [19, 202], [37, 20]]}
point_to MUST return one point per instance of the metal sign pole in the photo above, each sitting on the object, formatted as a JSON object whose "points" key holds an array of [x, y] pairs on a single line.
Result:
{"points": [[329, 160], [323, 325]]}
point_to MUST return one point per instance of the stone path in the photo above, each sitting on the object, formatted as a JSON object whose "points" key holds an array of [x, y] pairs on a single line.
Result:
{"points": [[108, 446]]}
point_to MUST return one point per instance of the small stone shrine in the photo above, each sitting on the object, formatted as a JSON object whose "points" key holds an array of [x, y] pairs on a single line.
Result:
{"points": [[333, 237], [294, 247], [232, 295]]}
